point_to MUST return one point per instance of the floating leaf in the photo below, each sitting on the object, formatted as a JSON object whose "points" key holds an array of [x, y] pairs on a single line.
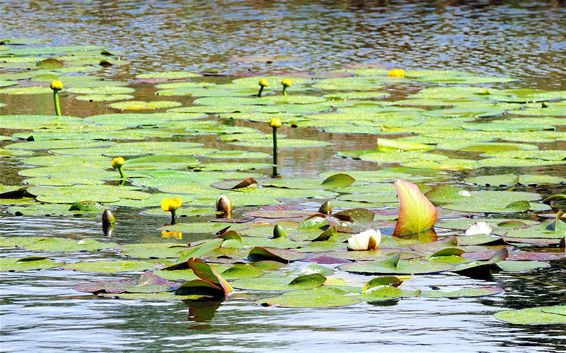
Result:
{"points": [[315, 298], [12, 264], [544, 315], [280, 255], [463, 292], [209, 284], [340, 180]]}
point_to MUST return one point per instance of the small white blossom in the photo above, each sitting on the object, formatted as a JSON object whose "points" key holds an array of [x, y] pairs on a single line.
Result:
{"points": [[368, 240], [479, 228], [465, 193]]}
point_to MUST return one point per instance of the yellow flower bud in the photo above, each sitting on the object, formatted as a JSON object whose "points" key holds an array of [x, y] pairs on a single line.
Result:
{"points": [[224, 205], [275, 122], [56, 85], [171, 205], [263, 82], [396, 73], [118, 162], [286, 82]]}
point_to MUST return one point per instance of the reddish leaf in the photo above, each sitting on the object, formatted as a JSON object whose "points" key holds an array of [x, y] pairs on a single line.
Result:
{"points": [[416, 213]]}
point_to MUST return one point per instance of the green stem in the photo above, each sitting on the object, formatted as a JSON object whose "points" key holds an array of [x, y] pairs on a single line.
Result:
{"points": [[122, 175], [56, 103], [172, 217], [260, 91], [284, 90], [275, 150]]}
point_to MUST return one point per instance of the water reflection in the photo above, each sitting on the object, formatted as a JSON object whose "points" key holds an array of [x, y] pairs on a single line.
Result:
{"points": [[521, 38]]}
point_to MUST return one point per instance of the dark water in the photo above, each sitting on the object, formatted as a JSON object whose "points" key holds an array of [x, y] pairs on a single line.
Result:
{"points": [[525, 39]]}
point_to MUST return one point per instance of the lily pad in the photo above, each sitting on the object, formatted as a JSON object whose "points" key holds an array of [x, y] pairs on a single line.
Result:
{"points": [[544, 315], [12, 264], [316, 298]]}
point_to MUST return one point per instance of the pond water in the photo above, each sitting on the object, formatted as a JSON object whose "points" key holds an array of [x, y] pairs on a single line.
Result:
{"points": [[42, 312]]}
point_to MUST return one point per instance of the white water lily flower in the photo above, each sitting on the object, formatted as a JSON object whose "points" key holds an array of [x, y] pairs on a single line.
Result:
{"points": [[368, 240], [465, 193], [479, 228]]}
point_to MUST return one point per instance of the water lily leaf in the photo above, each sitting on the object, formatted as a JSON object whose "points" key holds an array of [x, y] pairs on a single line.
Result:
{"points": [[67, 245], [442, 194], [201, 249], [141, 105], [463, 292], [544, 315], [12, 264], [396, 145], [104, 97], [403, 267], [167, 75], [282, 143], [158, 297], [416, 213], [210, 283], [521, 266], [356, 214], [492, 201], [152, 250], [238, 271], [308, 281], [147, 283], [259, 253], [107, 90], [315, 298], [78, 193], [385, 293], [340, 180], [110, 266], [25, 90], [382, 281]]}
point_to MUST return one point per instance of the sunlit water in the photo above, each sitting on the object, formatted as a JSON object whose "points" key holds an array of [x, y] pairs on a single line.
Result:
{"points": [[41, 312]]}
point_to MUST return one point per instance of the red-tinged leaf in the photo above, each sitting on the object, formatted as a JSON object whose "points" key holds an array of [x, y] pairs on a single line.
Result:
{"points": [[260, 253], [328, 260], [200, 288], [245, 183], [202, 270], [416, 213]]}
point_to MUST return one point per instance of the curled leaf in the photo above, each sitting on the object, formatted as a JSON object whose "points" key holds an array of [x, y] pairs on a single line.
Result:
{"points": [[416, 213]]}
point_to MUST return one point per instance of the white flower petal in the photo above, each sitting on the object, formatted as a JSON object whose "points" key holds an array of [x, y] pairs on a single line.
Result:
{"points": [[362, 241], [479, 228]]}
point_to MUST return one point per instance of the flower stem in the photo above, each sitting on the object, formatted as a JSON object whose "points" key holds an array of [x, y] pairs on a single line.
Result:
{"points": [[56, 103], [172, 217], [122, 175], [275, 151], [260, 91], [284, 90]]}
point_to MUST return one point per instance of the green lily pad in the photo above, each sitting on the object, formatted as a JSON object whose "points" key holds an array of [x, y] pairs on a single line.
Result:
{"points": [[12, 264], [463, 292], [67, 245], [340, 180], [521, 266], [104, 97], [401, 267], [109, 266], [141, 105], [544, 315], [316, 298], [167, 75], [26, 90]]}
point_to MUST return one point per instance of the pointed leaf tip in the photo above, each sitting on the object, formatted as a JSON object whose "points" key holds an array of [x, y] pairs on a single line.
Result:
{"points": [[416, 212]]}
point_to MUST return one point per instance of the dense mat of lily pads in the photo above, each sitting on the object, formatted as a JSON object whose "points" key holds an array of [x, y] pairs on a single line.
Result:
{"points": [[471, 145]]}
